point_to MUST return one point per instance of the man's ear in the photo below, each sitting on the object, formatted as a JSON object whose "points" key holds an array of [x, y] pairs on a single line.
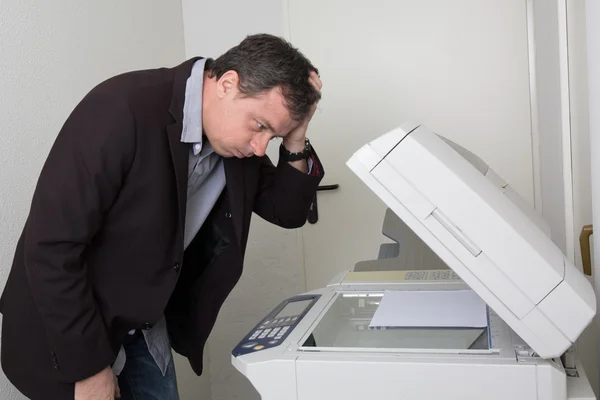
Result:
{"points": [[227, 85]]}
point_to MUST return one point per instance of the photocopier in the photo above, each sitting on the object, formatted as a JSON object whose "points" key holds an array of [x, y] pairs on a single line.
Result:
{"points": [[483, 238]]}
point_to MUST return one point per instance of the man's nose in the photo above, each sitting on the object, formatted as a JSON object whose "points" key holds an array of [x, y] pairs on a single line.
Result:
{"points": [[259, 145]]}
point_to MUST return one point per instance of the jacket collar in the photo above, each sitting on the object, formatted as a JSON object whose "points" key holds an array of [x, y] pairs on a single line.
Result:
{"points": [[182, 73]]}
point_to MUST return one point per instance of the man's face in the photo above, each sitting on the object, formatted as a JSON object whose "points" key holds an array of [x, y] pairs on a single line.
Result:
{"points": [[240, 126]]}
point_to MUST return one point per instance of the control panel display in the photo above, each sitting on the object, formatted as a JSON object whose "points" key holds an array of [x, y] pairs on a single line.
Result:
{"points": [[293, 309]]}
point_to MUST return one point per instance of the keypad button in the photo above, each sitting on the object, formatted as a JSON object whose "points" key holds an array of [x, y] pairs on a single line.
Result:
{"points": [[264, 334]]}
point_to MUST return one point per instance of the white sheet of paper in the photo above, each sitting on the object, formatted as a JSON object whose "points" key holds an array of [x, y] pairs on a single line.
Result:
{"points": [[443, 308]]}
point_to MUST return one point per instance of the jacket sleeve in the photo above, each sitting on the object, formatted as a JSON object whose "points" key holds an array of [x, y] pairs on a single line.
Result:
{"points": [[80, 180], [285, 193]]}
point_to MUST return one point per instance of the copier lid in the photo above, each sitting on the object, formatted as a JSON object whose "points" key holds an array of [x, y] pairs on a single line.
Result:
{"points": [[483, 230]]}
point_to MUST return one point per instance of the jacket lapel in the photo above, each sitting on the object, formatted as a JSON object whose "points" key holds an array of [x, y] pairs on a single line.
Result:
{"points": [[179, 150], [179, 154], [234, 178]]}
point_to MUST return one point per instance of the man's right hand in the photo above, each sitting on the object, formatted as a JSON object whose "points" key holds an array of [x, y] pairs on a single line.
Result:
{"points": [[102, 386]]}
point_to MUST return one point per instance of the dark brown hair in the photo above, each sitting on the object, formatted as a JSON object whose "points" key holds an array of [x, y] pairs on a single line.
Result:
{"points": [[264, 62]]}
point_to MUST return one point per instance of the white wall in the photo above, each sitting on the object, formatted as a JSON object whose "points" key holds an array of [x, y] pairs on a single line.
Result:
{"points": [[273, 267], [51, 54]]}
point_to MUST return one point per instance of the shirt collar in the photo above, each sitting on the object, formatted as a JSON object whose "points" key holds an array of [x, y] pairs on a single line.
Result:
{"points": [[192, 108]]}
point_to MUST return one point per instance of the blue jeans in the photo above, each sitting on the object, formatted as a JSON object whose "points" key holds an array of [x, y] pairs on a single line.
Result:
{"points": [[141, 379]]}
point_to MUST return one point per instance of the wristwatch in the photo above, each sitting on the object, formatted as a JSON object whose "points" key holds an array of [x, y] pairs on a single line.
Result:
{"points": [[301, 155]]}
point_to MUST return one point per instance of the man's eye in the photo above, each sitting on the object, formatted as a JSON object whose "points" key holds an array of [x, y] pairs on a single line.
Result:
{"points": [[260, 126]]}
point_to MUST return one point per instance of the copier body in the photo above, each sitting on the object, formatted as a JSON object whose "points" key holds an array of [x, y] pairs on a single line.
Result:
{"points": [[319, 345]]}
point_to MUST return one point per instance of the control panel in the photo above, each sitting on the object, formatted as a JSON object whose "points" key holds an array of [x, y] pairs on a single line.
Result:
{"points": [[275, 327]]}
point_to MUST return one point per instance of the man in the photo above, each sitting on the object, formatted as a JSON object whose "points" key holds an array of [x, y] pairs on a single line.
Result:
{"points": [[139, 222]]}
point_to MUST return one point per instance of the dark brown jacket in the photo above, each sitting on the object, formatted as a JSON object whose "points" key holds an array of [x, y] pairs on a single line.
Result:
{"points": [[102, 249]]}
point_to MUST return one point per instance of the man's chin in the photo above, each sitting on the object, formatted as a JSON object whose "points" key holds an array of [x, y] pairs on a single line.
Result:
{"points": [[224, 153], [229, 153], [238, 154]]}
